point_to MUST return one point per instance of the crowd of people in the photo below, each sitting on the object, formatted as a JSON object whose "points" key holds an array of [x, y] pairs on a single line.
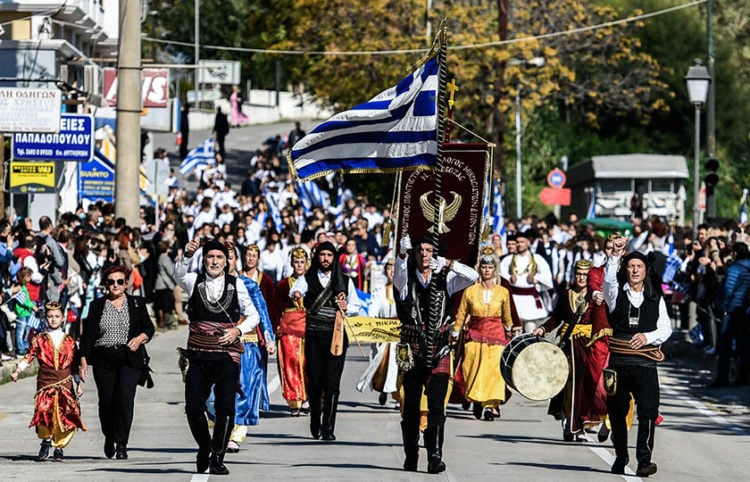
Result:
{"points": [[261, 272]]}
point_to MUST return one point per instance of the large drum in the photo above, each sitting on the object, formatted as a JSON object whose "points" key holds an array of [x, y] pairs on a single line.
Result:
{"points": [[534, 367]]}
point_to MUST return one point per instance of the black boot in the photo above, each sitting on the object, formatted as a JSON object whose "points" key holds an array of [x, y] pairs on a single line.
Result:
{"points": [[433, 441], [199, 429], [315, 417], [645, 447], [410, 437], [121, 451], [620, 442], [109, 447], [330, 404], [44, 450], [222, 431]]}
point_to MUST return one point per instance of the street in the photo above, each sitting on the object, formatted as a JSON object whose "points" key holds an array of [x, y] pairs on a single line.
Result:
{"points": [[700, 439]]}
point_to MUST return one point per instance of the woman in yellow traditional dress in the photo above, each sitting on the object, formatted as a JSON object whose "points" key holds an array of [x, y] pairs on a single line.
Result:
{"points": [[484, 316]]}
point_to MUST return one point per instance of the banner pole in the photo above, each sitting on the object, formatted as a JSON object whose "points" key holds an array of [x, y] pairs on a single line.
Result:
{"points": [[436, 304]]}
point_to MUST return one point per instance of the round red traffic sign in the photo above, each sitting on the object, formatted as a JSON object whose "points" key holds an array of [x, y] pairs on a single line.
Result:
{"points": [[556, 178]]}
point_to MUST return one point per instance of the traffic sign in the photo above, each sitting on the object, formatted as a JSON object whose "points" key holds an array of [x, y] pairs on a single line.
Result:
{"points": [[73, 142], [555, 196], [556, 178]]}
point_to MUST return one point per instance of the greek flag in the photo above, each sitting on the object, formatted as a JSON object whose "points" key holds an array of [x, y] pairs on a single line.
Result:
{"points": [[364, 302], [498, 217], [203, 155], [743, 208], [273, 208], [311, 195], [591, 214], [339, 209], [396, 129]]}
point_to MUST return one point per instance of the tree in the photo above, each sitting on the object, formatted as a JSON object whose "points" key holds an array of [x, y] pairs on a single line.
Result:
{"points": [[594, 78]]}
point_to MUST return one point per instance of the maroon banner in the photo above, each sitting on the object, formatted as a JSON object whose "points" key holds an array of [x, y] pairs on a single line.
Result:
{"points": [[460, 204]]}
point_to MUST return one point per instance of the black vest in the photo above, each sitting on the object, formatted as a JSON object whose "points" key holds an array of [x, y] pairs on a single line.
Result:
{"points": [[414, 310], [648, 314], [324, 316], [224, 310]]}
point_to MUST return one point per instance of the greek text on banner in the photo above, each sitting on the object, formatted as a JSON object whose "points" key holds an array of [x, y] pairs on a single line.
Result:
{"points": [[364, 329]]}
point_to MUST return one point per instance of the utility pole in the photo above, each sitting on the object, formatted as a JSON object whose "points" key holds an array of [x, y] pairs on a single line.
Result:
{"points": [[127, 169], [711, 107], [197, 34]]}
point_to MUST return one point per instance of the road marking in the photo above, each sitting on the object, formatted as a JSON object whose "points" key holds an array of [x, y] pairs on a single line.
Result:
{"points": [[703, 410], [199, 478], [609, 459]]}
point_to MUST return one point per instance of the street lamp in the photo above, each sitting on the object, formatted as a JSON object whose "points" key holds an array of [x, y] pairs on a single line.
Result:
{"points": [[698, 81], [533, 62]]}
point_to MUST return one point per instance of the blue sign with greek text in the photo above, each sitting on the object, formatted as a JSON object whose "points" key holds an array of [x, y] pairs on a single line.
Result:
{"points": [[73, 142]]}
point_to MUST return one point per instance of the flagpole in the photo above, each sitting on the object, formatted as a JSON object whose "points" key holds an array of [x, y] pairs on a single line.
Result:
{"points": [[436, 302]]}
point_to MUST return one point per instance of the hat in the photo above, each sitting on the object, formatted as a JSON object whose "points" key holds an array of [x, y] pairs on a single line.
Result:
{"points": [[214, 245], [325, 246], [583, 264], [635, 255]]}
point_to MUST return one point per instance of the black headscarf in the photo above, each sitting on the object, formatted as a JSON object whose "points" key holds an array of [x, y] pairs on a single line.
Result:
{"points": [[339, 282]]}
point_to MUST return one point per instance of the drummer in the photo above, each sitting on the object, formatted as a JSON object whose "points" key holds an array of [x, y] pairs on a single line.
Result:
{"points": [[640, 324], [583, 338], [484, 317], [422, 370]]}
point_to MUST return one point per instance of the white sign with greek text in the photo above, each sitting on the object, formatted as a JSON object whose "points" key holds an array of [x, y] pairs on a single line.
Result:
{"points": [[29, 110]]}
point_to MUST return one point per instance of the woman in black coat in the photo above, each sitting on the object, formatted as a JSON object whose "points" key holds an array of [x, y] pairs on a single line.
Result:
{"points": [[113, 341]]}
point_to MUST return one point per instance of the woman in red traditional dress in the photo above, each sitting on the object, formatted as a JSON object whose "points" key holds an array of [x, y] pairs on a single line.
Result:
{"points": [[290, 336], [584, 337], [57, 412]]}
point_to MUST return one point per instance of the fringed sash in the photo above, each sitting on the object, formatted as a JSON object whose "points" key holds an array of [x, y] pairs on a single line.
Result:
{"points": [[204, 336]]}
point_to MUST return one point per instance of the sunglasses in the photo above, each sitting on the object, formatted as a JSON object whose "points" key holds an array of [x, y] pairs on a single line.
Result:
{"points": [[119, 281]]}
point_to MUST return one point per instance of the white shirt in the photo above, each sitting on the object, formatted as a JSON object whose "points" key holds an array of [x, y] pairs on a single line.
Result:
{"points": [[352, 300], [459, 277], [663, 324], [214, 288]]}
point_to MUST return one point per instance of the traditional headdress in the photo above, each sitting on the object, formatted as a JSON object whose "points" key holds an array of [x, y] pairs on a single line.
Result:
{"points": [[214, 245], [487, 256], [584, 264], [299, 252], [53, 305]]}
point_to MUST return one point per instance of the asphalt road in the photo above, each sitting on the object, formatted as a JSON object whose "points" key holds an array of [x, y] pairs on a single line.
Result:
{"points": [[705, 436]]}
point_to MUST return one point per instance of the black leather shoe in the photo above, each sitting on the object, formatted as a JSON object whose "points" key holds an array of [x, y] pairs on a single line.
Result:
{"points": [[435, 465], [476, 408], [121, 451], [382, 398], [201, 461], [315, 433], [58, 455], [216, 465], [619, 466], [488, 415], [410, 465], [109, 448], [329, 436], [646, 470], [44, 450]]}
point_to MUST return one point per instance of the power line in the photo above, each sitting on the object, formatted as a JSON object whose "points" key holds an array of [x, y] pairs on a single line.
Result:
{"points": [[573, 31]]}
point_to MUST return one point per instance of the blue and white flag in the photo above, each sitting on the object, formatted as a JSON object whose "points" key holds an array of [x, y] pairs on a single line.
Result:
{"points": [[670, 242], [397, 129], [591, 214], [364, 302], [311, 196], [339, 209], [743, 208], [273, 208], [498, 217], [203, 155]]}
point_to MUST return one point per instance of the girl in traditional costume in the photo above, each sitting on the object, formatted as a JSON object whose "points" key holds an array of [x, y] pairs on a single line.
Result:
{"points": [[57, 412]]}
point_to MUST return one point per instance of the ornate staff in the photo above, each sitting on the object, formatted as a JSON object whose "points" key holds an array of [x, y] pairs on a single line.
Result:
{"points": [[437, 295]]}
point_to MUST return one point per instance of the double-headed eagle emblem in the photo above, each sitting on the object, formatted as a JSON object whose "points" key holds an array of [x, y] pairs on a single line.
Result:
{"points": [[446, 212]]}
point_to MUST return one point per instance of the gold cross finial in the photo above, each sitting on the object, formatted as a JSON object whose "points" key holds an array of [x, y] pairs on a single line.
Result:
{"points": [[452, 89]]}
